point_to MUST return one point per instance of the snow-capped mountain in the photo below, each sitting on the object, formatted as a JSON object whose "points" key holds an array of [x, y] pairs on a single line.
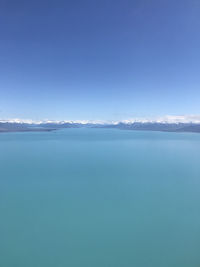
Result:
{"points": [[188, 123]]}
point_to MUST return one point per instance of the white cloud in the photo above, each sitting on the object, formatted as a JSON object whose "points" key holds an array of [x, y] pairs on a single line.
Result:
{"points": [[180, 119], [164, 119]]}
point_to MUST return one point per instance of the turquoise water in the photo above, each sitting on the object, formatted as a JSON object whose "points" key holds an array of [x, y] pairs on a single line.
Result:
{"points": [[99, 198]]}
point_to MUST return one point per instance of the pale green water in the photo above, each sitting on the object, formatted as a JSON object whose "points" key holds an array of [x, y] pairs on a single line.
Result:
{"points": [[99, 198]]}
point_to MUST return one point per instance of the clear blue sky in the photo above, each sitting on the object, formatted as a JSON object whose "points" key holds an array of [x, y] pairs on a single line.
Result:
{"points": [[99, 59]]}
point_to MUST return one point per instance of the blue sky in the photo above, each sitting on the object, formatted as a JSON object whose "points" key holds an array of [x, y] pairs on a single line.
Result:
{"points": [[99, 59]]}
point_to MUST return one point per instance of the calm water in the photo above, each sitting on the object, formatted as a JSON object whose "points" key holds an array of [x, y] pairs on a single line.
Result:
{"points": [[99, 198]]}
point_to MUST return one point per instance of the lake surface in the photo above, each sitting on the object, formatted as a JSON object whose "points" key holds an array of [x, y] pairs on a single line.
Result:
{"points": [[99, 198]]}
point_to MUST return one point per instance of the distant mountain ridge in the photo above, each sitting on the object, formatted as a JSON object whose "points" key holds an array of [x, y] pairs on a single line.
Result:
{"points": [[134, 126], [155, 126]]}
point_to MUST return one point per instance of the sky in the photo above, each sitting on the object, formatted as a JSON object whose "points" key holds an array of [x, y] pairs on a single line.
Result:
{"points": [[99, 59]]}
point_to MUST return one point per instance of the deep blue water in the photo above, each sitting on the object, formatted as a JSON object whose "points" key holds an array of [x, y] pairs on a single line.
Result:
{"points": [[99, 198]]}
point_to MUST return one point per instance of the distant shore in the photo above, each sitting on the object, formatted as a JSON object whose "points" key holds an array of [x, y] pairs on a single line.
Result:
{"points": [[6, 127]]}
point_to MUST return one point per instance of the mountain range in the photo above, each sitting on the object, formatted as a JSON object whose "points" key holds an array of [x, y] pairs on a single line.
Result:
{"points": [[12, 126]]}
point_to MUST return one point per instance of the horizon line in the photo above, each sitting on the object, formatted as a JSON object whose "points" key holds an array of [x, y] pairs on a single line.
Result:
{"points": [[163, 119]]}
